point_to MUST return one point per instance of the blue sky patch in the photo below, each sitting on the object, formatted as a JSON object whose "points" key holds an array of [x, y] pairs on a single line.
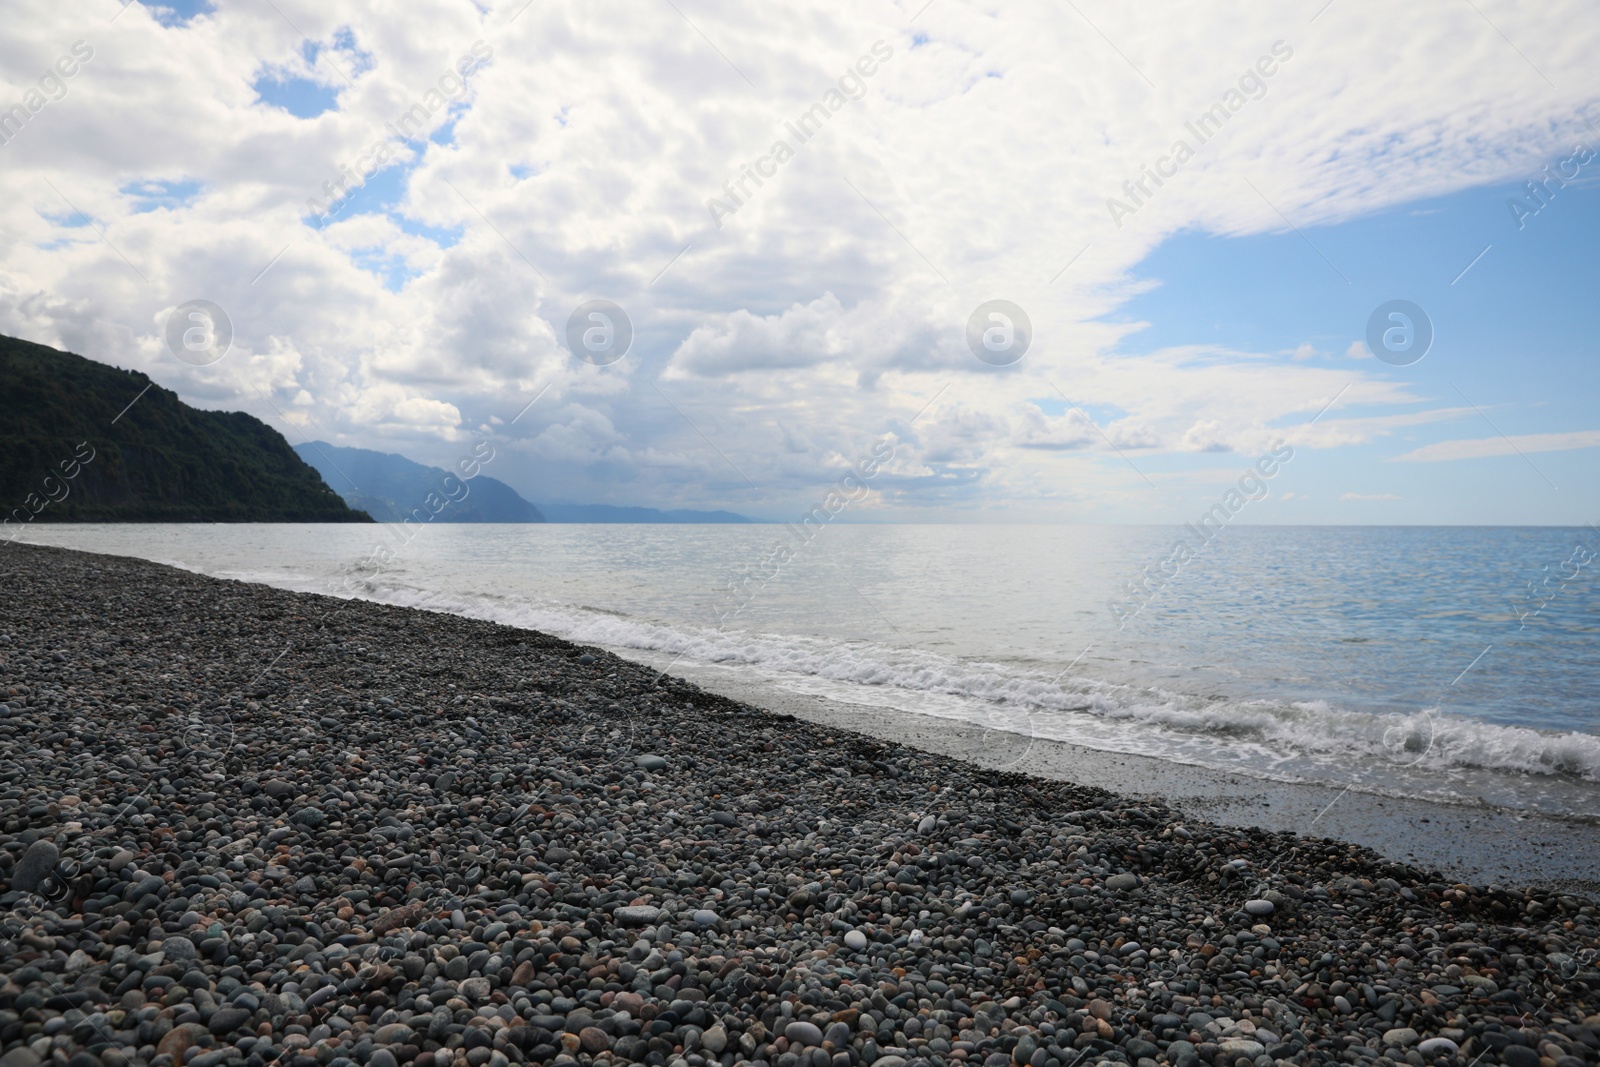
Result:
{"points": [[300, 97], [1512, 313], [382, 195], [153, 195], [179, 12], [376, 196], [390, 268], [352, 59], [66, 220], [444, 238], [445, 135], [306, 97]]}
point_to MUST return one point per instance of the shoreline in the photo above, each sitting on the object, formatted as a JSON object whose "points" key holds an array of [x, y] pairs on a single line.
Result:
{"points": [[1482, 845], [243, 825]]}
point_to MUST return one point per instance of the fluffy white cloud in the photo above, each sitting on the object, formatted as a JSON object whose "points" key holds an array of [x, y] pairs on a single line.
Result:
{"points": [[576, 158]]}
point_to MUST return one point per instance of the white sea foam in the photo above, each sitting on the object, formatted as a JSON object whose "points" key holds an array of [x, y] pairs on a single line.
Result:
{"points": [[1292, 739]]}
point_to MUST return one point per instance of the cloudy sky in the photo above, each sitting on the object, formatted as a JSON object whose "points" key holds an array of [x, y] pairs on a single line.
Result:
{"points": [[1199, 210]]}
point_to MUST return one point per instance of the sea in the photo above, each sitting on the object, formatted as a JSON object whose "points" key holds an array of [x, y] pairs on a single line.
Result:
{"points": [[1459, 665]]}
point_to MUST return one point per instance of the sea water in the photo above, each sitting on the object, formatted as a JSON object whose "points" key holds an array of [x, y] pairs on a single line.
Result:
{"points": [[1453, 663]]}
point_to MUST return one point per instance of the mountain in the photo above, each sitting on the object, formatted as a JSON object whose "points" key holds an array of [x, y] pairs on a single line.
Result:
{"points": [[81, 441], [390, 487], [609, 513]]}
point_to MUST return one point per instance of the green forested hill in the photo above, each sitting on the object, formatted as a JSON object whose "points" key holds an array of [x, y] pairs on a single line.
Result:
{"points": [[162, 461]]}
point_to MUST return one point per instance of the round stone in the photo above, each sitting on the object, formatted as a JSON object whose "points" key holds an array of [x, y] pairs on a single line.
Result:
{"points": [[637, 915], [225, 1021], [37, 864], [178, 948], [1519, 1056], [803, 1033], [855, 940], [1259, 907], [393, 1034]]}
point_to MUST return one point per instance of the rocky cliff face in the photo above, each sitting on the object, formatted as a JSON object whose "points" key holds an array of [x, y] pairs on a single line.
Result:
{"points": [[72, 450]]}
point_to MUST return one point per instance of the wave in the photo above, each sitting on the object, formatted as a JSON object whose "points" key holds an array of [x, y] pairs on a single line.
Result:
{"points": [[1292, 740]]}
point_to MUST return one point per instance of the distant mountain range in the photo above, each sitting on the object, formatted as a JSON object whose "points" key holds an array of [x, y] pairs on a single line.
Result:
{"points": [[81, 441], [390, 487]]}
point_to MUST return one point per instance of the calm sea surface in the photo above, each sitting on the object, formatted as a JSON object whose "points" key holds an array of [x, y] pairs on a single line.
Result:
{"points": [[1460, 664]]}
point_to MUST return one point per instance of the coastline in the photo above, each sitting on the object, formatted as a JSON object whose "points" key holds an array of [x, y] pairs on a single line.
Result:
{"points": [[1482, 845], [246, 825]]}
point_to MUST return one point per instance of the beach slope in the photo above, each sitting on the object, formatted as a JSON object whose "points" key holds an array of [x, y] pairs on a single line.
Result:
{"points": [[245, 825]]}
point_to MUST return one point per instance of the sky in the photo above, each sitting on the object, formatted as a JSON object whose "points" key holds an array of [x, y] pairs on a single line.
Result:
{"points": [[1193, 222]]}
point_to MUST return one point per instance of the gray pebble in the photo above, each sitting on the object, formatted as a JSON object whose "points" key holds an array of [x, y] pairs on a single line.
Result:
{"points": [[422, 826], [637, 915], [37, 864], [178, 949], [1519, 1056], [803, 1033], [226, 1020]]}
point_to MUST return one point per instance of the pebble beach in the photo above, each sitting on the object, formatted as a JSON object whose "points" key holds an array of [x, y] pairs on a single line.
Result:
{"points": [[242, 825]]}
